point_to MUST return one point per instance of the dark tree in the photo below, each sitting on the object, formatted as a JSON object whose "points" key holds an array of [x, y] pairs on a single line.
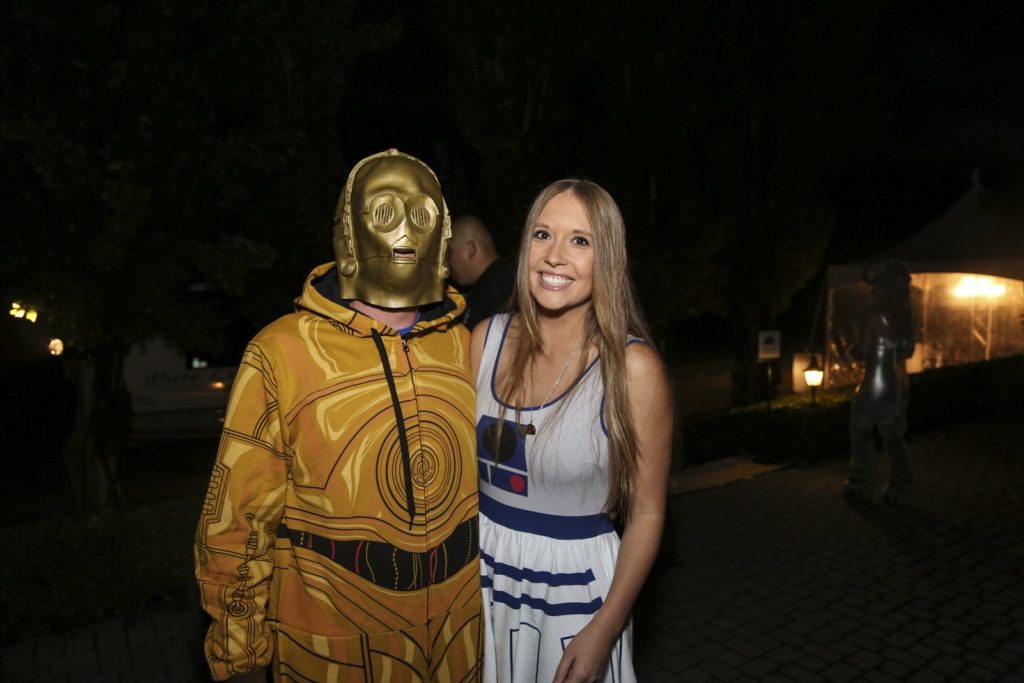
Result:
{"points": [[151, 150], [792, 95], [511, 70], [713, 124]]}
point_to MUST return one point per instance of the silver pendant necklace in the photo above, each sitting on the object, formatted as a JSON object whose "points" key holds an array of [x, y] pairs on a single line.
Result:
{"points": [[529, 428]]}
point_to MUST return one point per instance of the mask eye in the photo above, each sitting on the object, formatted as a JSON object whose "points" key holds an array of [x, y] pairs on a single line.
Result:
{"points": [[422, 213], [384, 212]]}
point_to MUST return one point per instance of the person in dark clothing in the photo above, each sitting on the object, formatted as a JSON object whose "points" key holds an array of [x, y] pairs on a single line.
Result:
{"points": [[886, 342], [476, 268]]}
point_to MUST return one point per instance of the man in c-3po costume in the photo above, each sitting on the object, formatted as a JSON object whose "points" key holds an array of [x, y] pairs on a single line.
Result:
{"points": [[338, 539]]}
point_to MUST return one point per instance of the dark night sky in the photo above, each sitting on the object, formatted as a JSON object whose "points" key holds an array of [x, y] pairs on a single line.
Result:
{"points": [[956, 104], [954, 98]]}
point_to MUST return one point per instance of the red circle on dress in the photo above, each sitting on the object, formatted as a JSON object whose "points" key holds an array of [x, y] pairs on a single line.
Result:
{"points": [[516, 483]]}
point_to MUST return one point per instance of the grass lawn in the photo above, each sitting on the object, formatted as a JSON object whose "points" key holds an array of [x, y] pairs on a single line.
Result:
{"points": [[60, 570]]}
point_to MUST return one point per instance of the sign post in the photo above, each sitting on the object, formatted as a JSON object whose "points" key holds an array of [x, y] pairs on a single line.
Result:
{"points": [[769, 346]]}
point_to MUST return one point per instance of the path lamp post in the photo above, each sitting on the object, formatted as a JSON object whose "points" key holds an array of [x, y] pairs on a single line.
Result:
{"points": [[813, 374]]}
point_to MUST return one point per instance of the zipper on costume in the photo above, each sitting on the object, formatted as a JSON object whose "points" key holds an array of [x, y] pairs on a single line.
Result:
{"points": [[406, 338], [403, 439]]}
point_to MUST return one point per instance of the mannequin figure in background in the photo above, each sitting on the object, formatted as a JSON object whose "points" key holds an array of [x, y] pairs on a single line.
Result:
{"points": [[886, 342]]}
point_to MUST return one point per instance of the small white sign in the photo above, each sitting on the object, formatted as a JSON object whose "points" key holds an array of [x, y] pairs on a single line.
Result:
{"points": [[769, 344]]}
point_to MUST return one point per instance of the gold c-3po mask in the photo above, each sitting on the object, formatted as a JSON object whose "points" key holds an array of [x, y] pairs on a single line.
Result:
{"points": [[391, 232]]}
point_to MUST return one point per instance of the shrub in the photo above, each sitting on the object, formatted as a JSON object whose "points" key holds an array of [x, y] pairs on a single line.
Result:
{"points": [[796, 431], [63, 572], [793, 430], [992, 388]]}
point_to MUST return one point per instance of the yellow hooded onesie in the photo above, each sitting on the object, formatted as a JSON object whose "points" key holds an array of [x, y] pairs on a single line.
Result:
{"points": [[338, 538]]}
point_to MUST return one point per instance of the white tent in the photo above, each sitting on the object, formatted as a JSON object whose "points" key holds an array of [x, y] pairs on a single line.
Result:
{"points": [[968, 288]]}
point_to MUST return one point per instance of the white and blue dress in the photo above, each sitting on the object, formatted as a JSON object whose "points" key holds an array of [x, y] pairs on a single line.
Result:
{"points": [[548, 550]]}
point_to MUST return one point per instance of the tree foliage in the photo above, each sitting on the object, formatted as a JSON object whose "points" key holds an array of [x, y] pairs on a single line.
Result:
{"points": [[154, 150], [790, 95], [713, 124], [151, 152], [512, 78]]}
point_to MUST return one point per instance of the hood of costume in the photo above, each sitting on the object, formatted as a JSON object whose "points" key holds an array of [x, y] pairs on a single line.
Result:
{"points": [[347, 472]]}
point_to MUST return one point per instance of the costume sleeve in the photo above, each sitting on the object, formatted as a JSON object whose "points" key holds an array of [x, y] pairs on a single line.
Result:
{"points": [[235, 539]]}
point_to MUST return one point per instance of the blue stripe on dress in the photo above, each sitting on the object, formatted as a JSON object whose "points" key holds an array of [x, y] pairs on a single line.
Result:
{"points": [[534, 576], [539, 604], [564, 528]]}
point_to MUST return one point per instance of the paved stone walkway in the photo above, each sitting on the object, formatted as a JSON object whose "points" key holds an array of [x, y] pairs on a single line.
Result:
{"points": [[772, 578], [158, 647], [777, 579]]}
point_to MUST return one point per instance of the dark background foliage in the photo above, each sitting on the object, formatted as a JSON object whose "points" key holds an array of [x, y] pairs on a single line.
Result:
{"points": [[171, 169], [162, 147]]}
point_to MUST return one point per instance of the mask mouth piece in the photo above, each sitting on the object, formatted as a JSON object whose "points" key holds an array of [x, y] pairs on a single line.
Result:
{"points": [[403, 255]]}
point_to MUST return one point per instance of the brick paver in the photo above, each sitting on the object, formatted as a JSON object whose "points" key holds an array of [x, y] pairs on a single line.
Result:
{"points": [[774, 579], [855, 594]]}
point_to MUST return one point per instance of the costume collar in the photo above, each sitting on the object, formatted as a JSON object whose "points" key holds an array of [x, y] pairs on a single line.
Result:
{"points": [[321, 295]]}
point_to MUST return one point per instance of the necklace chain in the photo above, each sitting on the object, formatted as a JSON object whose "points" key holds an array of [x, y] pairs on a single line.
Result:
{"points": [[529, 428]]}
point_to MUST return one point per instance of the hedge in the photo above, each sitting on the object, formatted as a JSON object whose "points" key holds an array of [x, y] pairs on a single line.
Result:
{"points": [[796, 431]]}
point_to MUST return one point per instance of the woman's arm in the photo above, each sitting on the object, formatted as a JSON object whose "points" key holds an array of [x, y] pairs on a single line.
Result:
{"points": [[586, 657]]}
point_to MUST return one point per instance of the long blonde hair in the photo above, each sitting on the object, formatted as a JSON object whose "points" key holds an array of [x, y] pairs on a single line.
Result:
{"points": [[614, 315]]}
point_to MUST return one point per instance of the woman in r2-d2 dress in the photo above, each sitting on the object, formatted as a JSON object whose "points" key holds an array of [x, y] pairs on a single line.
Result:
{"points": [[574, 425]]}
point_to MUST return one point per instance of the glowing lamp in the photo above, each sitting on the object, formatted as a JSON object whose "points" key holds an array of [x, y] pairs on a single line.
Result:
{"points": [[56, 347], [29, 314], [813, 375]]}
